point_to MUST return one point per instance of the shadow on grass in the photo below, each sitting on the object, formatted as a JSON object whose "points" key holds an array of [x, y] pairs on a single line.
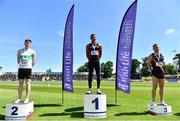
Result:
{"points": [[77, 114], [131, 113], [74, 109], [72, 114], [177, 114], [46, 105], [80, 108], [2, 117], [112, 105], [55, 114]]}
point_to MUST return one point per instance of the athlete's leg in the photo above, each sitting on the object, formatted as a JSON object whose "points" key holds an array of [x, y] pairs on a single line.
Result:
{"points": [[154, 87], [161, 89], [97, 68], [28, 88], [20, 88], [90, 65]]}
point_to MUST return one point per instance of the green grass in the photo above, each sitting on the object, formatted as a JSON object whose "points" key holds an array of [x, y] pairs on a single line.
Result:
{"points": [[132, 106]]}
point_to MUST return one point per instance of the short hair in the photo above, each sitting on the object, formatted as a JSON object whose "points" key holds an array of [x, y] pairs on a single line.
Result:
{"points": [[28, 40], [92, 35], [155, 45]]}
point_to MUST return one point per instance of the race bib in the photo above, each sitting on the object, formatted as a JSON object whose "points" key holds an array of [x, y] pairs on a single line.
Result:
{"points": [[24, 62], [159, 63], [94, 52]]}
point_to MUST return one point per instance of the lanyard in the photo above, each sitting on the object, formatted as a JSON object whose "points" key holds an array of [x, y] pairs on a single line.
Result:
{"points": [[157, 56], [94, 46]]}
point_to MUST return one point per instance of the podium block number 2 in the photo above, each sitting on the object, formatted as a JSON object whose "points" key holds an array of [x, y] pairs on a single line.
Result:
{"points": [[14, 110], [96, 101]]}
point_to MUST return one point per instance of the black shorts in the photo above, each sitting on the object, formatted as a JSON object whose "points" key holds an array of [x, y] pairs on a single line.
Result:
{"points": [[24, 73], [158, 74]]}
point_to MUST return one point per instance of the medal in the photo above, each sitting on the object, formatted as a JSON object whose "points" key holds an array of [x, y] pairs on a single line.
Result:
{"points": [[158, 63]]}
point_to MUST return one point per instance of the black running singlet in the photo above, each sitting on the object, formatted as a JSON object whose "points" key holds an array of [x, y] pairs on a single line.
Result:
{"points": [[94, 51], [157, 64]]}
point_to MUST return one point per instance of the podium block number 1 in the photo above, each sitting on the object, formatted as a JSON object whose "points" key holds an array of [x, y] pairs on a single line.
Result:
{"points": [[96, 101], [15, 109]]}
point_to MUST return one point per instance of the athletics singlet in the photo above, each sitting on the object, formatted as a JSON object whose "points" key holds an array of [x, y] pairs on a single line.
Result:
{"points": [[26, 58], [94, 51], [157, 64]]}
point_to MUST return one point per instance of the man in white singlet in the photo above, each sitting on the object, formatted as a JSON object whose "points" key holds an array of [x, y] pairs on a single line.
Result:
{"points": [[26, 60]]}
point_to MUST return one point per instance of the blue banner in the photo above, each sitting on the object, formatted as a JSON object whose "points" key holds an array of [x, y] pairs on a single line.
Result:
{"points": [[67, 71], [124, 49]]}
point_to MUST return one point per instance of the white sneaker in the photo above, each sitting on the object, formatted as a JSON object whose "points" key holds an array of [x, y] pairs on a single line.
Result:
{"points": [[153, 103], [26, 100], [17, 101], [163, 103], [89, 91], [99, 91]]}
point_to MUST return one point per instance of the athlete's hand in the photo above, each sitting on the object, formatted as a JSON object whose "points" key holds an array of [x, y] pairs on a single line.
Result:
{"points": [[149, 70]]}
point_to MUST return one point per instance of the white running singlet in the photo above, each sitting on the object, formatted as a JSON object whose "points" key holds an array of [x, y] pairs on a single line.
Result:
{"points": [[26, 57]]}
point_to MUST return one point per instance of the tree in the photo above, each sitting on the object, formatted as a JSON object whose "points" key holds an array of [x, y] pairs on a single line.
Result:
{"points": [[135, 65], [102, 67], [49, 71], [83, 68], [107, 69], [144, 69], [170, 69]]}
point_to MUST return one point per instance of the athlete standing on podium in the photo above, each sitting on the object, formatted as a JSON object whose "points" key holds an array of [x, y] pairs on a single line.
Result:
{"points": [[156, 67], [26, 60], [93, 53]]}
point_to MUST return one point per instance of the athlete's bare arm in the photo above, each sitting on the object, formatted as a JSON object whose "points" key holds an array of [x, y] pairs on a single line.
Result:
{"points": [[18, 56], [33, 59], [100, 52], [88, 52], [149, 62]]}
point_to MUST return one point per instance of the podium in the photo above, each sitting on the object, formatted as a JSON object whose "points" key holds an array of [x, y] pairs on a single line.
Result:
{"points": [[159, 110], [95, 106], [18, 112]]}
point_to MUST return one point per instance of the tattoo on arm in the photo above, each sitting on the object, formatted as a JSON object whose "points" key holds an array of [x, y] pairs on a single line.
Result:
{"points": [[33, 59], [18, 56]]}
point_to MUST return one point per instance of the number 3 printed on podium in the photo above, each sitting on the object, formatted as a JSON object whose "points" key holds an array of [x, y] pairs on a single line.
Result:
{"points": [[165, 110]]}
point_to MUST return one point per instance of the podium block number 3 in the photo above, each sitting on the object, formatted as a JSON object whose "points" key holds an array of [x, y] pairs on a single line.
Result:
{"points": [[165, 110], [14, 110], [96, 101]]}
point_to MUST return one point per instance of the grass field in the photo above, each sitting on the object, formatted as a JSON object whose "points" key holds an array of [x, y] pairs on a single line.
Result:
{"points": [[48, 104]]}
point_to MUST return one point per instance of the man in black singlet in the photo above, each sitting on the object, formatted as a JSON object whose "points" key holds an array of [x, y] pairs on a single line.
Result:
{"points": [[156, 67], [93, 53]]}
